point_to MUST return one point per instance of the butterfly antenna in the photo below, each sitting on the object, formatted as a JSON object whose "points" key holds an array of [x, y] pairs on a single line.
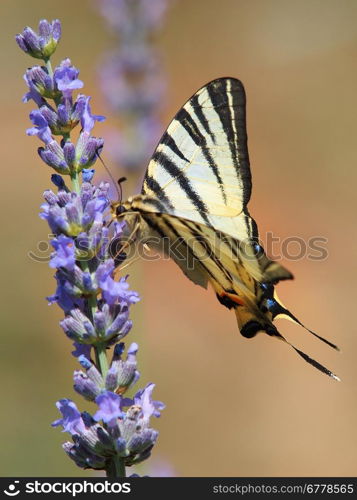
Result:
{"points": [[119, 192]]}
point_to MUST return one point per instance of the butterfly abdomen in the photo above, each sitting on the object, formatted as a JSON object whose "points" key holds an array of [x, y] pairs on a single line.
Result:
{"points": [[250, 318]]}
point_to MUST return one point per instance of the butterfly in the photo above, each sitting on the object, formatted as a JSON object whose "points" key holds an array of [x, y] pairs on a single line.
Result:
{"points": [[193, 207]]}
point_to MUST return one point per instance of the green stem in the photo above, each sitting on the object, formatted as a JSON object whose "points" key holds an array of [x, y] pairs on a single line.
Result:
{"points": [[74, 175], [49, 67], [57, 95], [75, 182], [101, 358], [116, 468]]}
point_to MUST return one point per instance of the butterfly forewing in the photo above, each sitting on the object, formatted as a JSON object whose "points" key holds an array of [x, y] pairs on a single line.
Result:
{"points": [[200, 168]]}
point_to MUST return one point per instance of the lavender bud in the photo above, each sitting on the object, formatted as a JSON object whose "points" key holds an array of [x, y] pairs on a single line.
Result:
{"points": [[84, 386], [92, 372], [58, 181], [43, 44], [87, 149], [69, 153], [53, 156], [29, 42]]}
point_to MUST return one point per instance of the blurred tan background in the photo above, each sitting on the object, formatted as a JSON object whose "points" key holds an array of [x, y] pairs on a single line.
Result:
{"points": [[235, 407]]}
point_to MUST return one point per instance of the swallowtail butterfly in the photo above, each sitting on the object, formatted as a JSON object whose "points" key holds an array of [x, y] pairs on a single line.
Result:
{"points": [[194, 207]]}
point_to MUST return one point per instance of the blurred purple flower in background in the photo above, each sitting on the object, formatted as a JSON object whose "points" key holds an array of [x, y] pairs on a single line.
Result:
{"points": [[133, 80], [96, 304]]}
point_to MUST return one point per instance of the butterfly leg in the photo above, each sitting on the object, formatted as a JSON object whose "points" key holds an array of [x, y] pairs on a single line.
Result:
{"points": [[121, 254]]}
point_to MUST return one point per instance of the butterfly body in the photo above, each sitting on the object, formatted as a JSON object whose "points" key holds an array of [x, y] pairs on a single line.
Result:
{"points": [[193, 208]]}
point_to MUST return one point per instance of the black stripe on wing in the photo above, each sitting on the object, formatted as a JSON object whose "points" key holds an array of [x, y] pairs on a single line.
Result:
{"points": [[170, 142], [179, 176], [154, 186], [201, 116], [189, 124], [233, 120], [204, 242], [156, 203], [189, 248]]}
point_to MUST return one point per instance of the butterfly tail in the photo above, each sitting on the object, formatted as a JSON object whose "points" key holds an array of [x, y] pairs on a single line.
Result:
{"points": [[308, 359], [278, 310], [250, 324]]}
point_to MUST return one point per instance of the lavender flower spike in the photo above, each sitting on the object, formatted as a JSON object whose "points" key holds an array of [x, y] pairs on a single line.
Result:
{"points": [[96, 302]]}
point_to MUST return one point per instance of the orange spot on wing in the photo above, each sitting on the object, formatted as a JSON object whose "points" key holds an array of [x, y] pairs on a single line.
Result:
{"points": [[235, 298]]}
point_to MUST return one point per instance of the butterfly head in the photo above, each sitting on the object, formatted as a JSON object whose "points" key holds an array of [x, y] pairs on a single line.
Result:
{"points": [[126, 209], [119, 209]]}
